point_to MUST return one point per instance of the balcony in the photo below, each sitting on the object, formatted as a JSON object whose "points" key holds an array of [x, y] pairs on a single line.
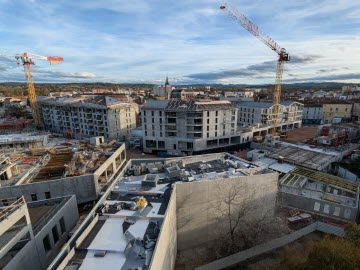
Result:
{"points": [[196, 122]]}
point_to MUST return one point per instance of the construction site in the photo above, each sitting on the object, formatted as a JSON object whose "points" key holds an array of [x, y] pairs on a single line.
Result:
{"points": [[64, 167]]}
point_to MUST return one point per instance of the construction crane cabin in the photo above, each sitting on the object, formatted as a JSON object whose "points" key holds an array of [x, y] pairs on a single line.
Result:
{"points": [[284, 56], [27, 60]]}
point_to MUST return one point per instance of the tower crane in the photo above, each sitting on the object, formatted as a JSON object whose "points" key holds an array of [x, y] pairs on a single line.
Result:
{"points": [[284, 56], [27, 59]]}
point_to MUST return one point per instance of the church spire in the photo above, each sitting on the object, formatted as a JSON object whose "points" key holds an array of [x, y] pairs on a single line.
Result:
{"points": [[167, 81]]}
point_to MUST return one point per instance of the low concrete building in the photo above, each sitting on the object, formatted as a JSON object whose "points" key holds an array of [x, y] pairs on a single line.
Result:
{"points": [[22, 141], [175, 217], [320, 193], [88, 116], [32, 234], [59, 171]]}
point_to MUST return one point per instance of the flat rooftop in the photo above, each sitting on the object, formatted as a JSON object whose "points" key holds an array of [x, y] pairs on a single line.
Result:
{"points": [[125, 234], [303, 155]]}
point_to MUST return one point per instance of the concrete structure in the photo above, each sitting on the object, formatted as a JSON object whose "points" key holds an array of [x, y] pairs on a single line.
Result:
{"points": [[183, 212], [336, 109], [59, 172], [23, 141], [32, 234], [320, 193], [316, 158], [189, 127], [313, 114], [85, 117], [252, 112]]}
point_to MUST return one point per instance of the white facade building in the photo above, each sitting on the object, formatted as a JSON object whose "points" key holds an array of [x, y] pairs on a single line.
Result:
{"points": [[312, 114], [88, 116], [252, 112], [189, 127]]}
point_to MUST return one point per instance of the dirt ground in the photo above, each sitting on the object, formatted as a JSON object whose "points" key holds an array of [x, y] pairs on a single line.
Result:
{"points": [[136, 153], [301, 134]]}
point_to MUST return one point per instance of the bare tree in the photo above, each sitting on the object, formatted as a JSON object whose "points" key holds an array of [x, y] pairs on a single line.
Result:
{"points": [[242, 217]]}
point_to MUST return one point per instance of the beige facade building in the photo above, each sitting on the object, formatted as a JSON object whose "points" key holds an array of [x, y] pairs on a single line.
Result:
{"points": [[336, 109]]}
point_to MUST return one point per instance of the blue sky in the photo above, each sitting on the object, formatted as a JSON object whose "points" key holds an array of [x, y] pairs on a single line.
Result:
{"points": [[191, 41]]}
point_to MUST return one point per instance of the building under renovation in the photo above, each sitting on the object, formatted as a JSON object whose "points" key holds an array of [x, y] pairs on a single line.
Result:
{"points": [[88, 116], [65, 167], [252, 112]]}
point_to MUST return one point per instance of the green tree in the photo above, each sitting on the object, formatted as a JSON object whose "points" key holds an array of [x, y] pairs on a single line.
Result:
{"points": [[17, 112]]}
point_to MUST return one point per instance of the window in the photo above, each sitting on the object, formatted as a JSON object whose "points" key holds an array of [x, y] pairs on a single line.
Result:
{"points": [[145, 133], [160, 113], [152, 113], [337, 211], [144, 113], [47, 195], [346, 109], [208, 114], [208, 121], [161, 134], [55, 234], [33, 197], [216, 113], [153, 120], [62, 225], [208, 128], [175, 146], [46, 243], [347, 213], [326, 209], [317, 206], [215, 134], [208, 135]]}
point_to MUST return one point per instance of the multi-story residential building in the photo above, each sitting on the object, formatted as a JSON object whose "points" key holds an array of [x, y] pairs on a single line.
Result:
{"points": [[189, 127], [313, 114], [88, 116], [252, 112], [336, 109]]}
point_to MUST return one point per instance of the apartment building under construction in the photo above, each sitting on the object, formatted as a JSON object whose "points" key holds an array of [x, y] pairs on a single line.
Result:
{"points": [[85, 117]]}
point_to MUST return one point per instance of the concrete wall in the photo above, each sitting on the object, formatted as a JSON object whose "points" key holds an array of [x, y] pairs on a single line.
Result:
{"points": [[196, 203], [346, 174], [83, 187], [166, 245], [33, 255], [308, 204]]}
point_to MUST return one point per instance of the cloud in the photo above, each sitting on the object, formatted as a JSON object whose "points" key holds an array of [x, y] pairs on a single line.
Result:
{"points": [[257, 70], [335, 77], [64, 75]]}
